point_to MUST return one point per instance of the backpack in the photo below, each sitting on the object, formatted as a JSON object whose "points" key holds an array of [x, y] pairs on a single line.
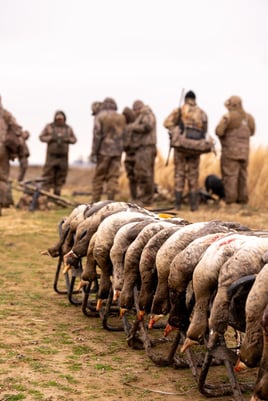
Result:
{"points": [[189, 146]]}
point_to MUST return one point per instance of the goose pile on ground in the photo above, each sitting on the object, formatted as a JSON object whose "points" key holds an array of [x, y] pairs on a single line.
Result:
{"points": [[163, 266]]}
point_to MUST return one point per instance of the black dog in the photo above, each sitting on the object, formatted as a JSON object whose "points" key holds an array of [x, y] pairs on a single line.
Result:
{"points": [[214, 185]]}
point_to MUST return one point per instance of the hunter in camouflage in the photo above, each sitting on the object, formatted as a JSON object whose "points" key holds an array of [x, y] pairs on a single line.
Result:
{"points": [[143, 142], [58, 136], [107, 148], [130, 153], [10, 133], [193, 123], [234, 131], [24, 155]]}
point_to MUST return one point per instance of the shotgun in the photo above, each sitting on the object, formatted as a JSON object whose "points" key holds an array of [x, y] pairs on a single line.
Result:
{"points": [[169, 150]]}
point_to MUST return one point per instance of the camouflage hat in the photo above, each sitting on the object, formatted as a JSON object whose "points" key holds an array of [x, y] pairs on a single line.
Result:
{"points": [[25, 135], [137, 105], [233, 102], [129, 115], [109, 104], [95, 108], [59, 115]]}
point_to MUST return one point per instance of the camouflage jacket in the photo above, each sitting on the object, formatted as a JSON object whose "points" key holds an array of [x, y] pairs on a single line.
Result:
{"points": [[108, 132], [58, 139], [10, 134], [143, 129], [234, 131]]}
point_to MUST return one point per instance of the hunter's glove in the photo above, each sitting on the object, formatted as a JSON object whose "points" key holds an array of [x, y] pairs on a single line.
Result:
{"points": [[93, 158]]}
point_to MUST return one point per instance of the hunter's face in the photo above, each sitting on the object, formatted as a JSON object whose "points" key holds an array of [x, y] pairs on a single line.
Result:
{"points": [[59, 120]]}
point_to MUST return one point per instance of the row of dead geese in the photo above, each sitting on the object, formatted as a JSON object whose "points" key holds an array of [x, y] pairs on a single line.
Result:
{"points": [[202, 277]]}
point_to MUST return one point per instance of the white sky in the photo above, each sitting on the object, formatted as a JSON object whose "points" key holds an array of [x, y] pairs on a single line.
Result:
{"points": [[65, 54]]}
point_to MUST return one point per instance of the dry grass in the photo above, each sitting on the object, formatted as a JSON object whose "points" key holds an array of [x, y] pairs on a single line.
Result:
{"points": [[254, 214], [79, 178], [210, 164]]}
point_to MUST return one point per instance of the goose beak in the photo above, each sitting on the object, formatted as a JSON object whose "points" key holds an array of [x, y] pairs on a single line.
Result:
{"points": [[187, 344], [122, 312], [82, 284], [46, 253], [254, 398], [153, 320], [169, 329], [140, 315], [116, 295], [66, 268], [99, 304], [239, 366]]}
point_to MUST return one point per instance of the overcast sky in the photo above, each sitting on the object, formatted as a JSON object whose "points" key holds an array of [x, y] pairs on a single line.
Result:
{"points": [[65, 54]]}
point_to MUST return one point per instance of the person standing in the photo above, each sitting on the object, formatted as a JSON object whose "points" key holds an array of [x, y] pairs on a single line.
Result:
{"points": [[95, 108], [193, 123], [106, 150], [58, 136], [234, 131], [143, 140], [130, 153], [23, 156], [10, 133]]}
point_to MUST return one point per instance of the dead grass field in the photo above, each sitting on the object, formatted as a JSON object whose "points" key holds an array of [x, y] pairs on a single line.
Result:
{"points": [[50, 351]]}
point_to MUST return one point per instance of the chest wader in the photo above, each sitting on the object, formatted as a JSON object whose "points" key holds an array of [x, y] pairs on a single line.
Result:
{"points": [[193, 201], [178, 200]]}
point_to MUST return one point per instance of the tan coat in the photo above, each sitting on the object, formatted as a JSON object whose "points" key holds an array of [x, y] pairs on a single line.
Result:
{"points": [[144, 128], [107, 148], [108, 133], [144, 142], [234, 130]]}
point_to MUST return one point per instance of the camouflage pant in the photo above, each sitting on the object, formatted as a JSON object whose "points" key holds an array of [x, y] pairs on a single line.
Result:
{"points": [[186, 169], [5, 189], [130, 164], [234, 175], [55, 172], [145, 158], [107, 170]]}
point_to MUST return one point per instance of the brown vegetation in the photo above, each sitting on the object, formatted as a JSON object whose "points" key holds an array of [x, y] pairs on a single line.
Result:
{"points": [[79, 178]]}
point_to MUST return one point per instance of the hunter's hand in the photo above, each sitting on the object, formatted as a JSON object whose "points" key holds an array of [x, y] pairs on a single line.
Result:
{"points": [[93, 158]]}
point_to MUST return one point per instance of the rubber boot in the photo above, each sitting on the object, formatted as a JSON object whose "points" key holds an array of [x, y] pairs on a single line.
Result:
{"points": [[57, 191], [193, 200], [110, 195], [133, 190], [178, 200]]}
